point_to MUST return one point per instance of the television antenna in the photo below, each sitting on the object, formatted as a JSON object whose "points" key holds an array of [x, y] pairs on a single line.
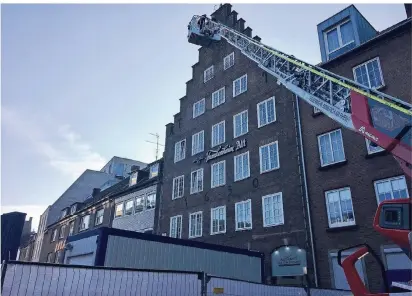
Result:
{"points": [[156, 143]]}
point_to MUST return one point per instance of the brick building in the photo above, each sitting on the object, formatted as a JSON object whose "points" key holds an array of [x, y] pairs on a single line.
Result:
{"points": [[347, 177]]}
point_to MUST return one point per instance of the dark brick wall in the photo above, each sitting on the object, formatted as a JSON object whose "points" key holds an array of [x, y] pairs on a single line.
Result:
{"points": [[359, 172]]}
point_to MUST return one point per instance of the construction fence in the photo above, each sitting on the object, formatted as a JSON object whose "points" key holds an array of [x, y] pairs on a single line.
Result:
{"points": [[28, 278]]}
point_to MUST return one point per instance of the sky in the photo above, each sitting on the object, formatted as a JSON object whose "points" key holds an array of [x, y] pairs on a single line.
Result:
{"points": [[83, 83]]}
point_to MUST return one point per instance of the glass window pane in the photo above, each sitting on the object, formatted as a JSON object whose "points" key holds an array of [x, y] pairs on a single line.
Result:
{"points": [[333, 40], [346, 32]]}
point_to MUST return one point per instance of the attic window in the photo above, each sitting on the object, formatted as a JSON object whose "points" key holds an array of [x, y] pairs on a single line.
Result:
{"points": [[64, 213], [339, 36], [133, 179], [73, 209], [154, 170]]}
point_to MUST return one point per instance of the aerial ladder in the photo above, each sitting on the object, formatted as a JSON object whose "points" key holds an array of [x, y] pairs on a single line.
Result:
{"points": [[384, 120]]}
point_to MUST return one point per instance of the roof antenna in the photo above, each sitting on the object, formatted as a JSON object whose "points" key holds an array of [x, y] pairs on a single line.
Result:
{"points": [[157, 143]]}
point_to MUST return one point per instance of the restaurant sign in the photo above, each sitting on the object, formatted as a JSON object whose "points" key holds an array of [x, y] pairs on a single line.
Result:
{"points": [[222, 150]]}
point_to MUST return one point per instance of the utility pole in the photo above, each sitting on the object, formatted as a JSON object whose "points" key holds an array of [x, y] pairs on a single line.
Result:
{"points": [[157, 143]]}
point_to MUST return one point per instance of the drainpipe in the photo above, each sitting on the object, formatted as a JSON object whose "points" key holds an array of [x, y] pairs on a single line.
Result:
{"points": [[306, 190]]}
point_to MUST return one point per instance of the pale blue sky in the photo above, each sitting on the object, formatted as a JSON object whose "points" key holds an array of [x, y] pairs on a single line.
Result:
{"points": [[82, 83]]}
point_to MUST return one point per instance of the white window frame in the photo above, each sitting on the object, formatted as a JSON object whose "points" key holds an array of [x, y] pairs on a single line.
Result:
{"points": [[341, 45], [54, 235], [96, 222], [265, 102], [277, 194], [251, 218], [369, 81], [224, 174], [206, 77], [224, 133], [260, 157], [62, 230], [64, 213], [71, 229], [235, 166], [375, 186], [81, 228], [192, 191], [222, 89], [241, 122], [181, 157], [367, 141], [316, 110], [124, 207], [229, 57], [154, 170], [200, 102], [339, 224], [133, 179], [234, 83], [175, 219], [212, 210], [73, 209], [201, 148], [201, 224], [174, 184], [330, 143], [115, 211]]}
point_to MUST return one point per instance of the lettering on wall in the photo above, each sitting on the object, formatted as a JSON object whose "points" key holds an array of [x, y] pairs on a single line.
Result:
{"points": [[222, 150]]}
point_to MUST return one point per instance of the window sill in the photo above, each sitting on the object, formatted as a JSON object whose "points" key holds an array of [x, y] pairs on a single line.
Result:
{"points": [[243, 229], [376, 154], [268, 171], [234, 96], [216, 233], [263, 125], [333, 165], [217, 186], [342, 228], [191, 237], [234, 136], [242, 179], [273, 225]]}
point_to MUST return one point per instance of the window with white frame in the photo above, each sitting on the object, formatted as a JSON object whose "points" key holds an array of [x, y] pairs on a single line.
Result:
{"points": [[218, 133], [229, 61], [339, 207], [99, 217], [240, 124], [196, 181], [71, 228], [269, 157], [218, 97], [151, 201], [178, 187], [339, 36], [272, 207], [266, 112], [369, 74], [62, 230], [64, 213], [199, 108], [391, 188], [208, 74], [180, 150], [240, 85], [242, 166], [218, 220], [73, 209], [54, 235], [331, 148], [372, 147], [118, 210], [49, 257], [154, 170], [218, 171], [140, 204], [176, 226], [133, 179], [195, 224], [243, 215], [198, 142], [84, 222], [59, 254], [316, 110], [128, 209]]}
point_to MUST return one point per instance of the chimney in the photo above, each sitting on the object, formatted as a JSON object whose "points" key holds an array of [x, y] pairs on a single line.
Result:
{"points": [[95, 191], [169, 129], [232, 19], [134, 168], [257, 38], [408, 8], [248, 32], [221, 14], [240, 25]]}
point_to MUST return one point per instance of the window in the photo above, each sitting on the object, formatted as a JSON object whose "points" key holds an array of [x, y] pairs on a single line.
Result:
{"points": [[240, 85], [269, 157], [71, 228], [339, 36], [369, 74], [339, 208], [151, 201], [133, 179], [58, 256], [240, 124], [331, 148], [196, 181], [119, 210], [218, 133], [272, 207], [139, 204], [99, 217], [208, 74], [338, 275], [266, 112], [242, 166], [50, 257], [372, 147], [395, 258], [195, 225], [62, 230], [316, 110], [180, 150], [84, 222], [229, 61], [154, 170], [218, 97], [218, 174], [54, 235], [176, 226], [73, 209], [218, 220], [391, 188], [178, 187], [198, 142], [64, 213], [198, 108], [243, 211], [129, 207]]}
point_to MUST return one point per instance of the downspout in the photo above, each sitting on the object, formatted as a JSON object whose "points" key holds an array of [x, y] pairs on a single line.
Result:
{"points": [[306, 190]]}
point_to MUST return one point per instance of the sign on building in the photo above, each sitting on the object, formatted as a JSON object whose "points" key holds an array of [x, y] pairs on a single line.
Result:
{"points": [[289, 261]]}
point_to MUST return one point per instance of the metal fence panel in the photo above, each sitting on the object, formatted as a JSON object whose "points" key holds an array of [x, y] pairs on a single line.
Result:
{"points": [[52, 280]]}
